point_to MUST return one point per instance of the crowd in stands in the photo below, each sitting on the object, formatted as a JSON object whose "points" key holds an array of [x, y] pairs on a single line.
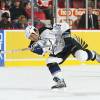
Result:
{"points": [[14, 14], [17, 14]]}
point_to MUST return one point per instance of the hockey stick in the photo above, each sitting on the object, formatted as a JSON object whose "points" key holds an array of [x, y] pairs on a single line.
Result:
{"points": [[14, 51]]}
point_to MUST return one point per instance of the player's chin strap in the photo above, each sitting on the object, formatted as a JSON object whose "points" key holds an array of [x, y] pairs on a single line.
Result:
{"points": [[14, 51]]}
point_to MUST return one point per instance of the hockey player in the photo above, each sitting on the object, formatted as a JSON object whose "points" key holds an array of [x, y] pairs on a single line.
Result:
{"points": [[60, 44]]}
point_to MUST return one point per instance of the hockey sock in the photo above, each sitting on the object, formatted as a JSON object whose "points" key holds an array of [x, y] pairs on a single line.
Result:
{"points": [[91, 55], [55, 70]]}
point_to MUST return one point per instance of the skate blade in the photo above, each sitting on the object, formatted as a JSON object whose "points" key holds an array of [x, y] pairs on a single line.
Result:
{"points": [[59, 89]]}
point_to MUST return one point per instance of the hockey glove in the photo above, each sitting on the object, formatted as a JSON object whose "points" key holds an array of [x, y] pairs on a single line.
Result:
{"points": [[36, 48]]}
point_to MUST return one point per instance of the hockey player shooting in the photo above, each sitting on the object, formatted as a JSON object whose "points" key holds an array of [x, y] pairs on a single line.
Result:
{"points": [[60, 44]]}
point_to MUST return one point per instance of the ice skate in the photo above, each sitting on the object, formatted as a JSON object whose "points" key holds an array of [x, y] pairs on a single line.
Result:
{"points": [[98, 57], [60, 83]]}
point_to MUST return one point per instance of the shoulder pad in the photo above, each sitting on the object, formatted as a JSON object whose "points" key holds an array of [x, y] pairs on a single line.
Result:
{"points": [[61, 26]]}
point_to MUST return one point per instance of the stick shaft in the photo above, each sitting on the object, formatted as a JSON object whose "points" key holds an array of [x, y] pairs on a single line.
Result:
{"points": [[15, 50]]}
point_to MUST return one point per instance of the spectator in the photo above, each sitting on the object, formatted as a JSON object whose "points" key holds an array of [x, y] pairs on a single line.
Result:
{"points": [[28, 9], [75, 23], [21, 23], [4, 22], [98, 4], [38, 24], [72, 3], [46, 6], [78, 3], [92, 20], [3, 6], [25, 1], [16, 11], [61, 3]]}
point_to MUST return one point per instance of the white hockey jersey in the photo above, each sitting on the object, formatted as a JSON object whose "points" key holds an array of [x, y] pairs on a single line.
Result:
{"points": [[53, 40]]}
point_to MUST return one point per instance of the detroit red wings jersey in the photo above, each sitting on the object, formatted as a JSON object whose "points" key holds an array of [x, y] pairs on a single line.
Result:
{"points": [[44, 3]]}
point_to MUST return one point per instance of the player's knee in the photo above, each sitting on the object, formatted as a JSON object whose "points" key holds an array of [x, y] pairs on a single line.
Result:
{"points": [[81, 55], [53, 64], [54, 60]]}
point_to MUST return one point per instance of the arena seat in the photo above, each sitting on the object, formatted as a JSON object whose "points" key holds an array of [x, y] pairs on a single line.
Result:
{"points": [[40, 15]]}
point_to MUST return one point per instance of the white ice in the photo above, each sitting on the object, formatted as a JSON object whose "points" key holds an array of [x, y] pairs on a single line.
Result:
{"points": [[32, 83]]}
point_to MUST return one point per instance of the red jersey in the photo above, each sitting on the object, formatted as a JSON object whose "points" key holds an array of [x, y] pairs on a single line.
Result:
{"points": [[44, 3]]}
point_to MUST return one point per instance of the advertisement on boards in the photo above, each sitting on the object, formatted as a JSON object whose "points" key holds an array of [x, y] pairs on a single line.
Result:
{"points": [[1, 47], [72, 15]]}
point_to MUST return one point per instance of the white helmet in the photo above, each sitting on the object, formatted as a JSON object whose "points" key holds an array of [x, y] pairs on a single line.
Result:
{"points": [[30, 29], [61, 26]]}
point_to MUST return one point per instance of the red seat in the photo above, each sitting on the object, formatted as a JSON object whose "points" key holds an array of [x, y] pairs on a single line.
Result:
{"points": [[40, 15]]}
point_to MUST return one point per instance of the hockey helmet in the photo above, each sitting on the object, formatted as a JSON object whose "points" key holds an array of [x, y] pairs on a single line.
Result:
{"points": [[29, 30]]}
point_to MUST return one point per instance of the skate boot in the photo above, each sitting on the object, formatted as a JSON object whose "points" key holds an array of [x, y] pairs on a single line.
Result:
{"points": [[60, 83]]}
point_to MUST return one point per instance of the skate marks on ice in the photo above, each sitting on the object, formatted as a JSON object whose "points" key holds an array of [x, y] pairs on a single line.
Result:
{"points": [[45, 94], [83, 83]]}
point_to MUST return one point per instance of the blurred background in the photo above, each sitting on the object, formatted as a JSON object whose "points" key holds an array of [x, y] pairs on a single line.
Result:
{"points": [[17, 14]]}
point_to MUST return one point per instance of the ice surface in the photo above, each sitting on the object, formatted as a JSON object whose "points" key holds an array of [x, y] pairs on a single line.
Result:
{"points": [[32, 83]]}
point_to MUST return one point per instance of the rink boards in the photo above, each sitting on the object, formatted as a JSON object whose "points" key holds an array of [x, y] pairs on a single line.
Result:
{"points": [[15, 39]]}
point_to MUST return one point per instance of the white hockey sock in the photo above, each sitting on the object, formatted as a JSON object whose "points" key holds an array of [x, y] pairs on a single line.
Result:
{"points": [[59, 75]]}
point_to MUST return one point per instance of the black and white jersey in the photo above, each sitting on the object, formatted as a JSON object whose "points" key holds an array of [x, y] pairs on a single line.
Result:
{"points": [[52, 40]]}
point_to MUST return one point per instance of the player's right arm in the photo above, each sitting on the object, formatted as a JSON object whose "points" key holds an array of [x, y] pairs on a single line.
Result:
{"points": [[45, 43], [41, 47], [41, 43]]}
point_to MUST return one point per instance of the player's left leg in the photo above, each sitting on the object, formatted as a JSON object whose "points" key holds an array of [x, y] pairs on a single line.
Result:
{"points": [[53, 65], [80, 52], [85, 54]]}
